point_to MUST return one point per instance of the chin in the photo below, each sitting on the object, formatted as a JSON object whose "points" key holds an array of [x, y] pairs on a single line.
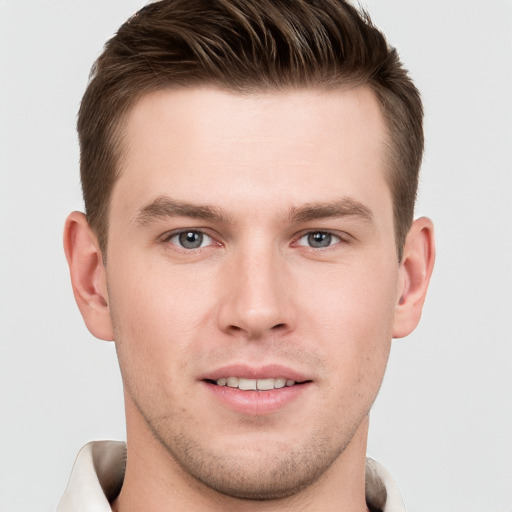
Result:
{"points": [[258, 470]]}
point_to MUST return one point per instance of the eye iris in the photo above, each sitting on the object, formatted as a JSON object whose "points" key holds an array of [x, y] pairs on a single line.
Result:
{"points": [[191, 239], [319, 239]]}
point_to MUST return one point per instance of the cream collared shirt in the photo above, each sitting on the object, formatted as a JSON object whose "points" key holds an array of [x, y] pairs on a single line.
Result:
{"points": [[98, 475]]}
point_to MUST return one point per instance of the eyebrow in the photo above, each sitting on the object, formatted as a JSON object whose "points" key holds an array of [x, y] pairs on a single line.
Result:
{"points": [[344, 207], [164, 207]]}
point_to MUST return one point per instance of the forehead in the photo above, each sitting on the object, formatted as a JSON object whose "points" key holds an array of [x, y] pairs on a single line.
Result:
{"points": [[218, 147]]}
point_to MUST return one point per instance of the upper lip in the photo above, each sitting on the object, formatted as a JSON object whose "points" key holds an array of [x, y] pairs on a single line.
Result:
{"points": [[269, 371]]}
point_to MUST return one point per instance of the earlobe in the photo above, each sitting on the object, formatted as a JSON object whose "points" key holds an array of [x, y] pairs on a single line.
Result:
{"points": [[414, 276], [88, 276]]}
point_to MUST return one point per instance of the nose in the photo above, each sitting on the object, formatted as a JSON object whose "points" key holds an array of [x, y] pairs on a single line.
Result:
{"points": [[257, 295]]}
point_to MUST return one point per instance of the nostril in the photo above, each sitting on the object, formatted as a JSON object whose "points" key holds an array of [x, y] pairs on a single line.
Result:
{"points": [[278, 326]]}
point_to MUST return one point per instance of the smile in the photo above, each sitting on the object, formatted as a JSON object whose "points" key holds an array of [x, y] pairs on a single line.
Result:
{"points": [[254, 384], [256, 391]]}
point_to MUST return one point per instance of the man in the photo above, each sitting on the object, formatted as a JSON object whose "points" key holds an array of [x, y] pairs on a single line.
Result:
{"points": [[249, 173]]}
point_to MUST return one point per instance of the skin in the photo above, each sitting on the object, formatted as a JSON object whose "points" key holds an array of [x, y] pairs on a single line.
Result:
{"points": [[256, 176]]}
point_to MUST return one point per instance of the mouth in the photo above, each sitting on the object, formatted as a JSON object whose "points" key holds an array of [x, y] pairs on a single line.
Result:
{"points": [[245, 384], [257, 390]]}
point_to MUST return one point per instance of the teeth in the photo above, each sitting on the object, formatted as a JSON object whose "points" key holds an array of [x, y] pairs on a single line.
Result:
{"points": [[265, 384], [232, 382], [280, 383], [247, 384], [254, 384]]}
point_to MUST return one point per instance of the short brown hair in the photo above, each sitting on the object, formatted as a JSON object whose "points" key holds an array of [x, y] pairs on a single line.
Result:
{"points": [[246, 45]]}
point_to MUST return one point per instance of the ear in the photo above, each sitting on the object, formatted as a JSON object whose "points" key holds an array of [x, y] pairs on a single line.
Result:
{"points": [[414, 276], [88, 275]]}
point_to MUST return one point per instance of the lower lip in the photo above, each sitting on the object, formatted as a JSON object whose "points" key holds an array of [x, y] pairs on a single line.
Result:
{"points": [[257, 403]]}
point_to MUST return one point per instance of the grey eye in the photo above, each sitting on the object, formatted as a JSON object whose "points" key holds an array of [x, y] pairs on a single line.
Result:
{"points": [[191, 239], [318, 239]]}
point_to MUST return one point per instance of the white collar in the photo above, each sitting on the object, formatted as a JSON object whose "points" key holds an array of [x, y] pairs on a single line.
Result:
{"points": [[98, 475]]}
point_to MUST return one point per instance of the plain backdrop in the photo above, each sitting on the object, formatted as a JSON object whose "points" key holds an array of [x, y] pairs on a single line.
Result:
{"points": [[443, 422]]}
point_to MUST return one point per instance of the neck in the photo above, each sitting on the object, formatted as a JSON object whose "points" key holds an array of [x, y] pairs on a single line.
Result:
{"points": [[156, 483]]}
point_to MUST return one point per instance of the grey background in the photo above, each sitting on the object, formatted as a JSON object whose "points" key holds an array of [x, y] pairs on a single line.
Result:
{"points": [[443, 422]]}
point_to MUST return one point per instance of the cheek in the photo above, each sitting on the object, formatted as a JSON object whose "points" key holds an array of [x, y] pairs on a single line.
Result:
{"points": [[350, 315], [154, 300], [357, 298], [154, 320]]}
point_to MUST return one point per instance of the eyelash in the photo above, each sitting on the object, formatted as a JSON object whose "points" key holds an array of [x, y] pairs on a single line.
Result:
{"points": [[330, 235]]}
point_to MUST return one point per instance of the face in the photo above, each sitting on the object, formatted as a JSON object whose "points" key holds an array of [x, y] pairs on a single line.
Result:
{"points": [[252, 279]]}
